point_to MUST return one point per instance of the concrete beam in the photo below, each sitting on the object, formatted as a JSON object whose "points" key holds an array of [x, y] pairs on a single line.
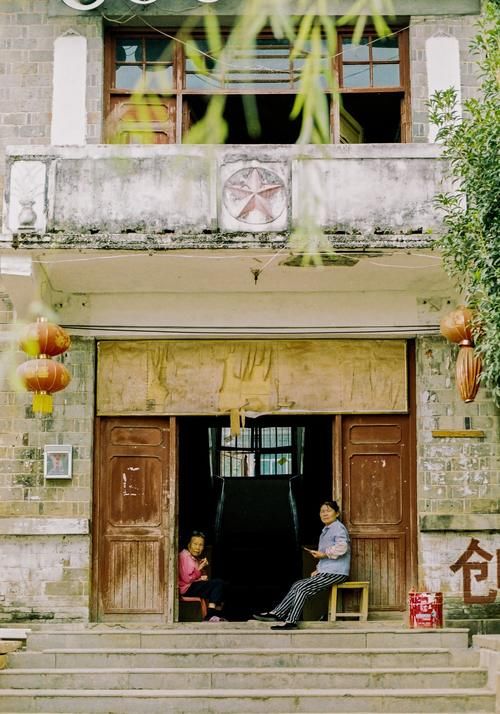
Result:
{"points": [[232, 8]]}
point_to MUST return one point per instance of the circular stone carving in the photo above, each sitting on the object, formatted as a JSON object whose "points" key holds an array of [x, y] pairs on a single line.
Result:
{"points": [[254, 195]]}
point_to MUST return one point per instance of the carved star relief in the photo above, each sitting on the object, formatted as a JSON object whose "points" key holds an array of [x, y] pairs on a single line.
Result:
{"points": [[255, 195]]}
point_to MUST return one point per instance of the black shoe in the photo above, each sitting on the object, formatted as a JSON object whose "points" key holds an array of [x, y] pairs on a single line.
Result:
{"points": [[285, 626], [266, 617]]}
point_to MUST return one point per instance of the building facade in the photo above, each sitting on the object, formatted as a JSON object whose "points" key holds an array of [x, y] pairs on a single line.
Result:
{"points": [[222, 377]]}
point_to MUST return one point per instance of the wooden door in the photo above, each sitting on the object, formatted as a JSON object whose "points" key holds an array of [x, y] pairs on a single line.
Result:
{"points": [[378, 505], [133, 519], [141, 119]]}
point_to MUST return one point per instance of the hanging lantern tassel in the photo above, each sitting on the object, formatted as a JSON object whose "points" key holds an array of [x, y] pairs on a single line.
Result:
{"points": [[468, 372], [42, 403], [43, 377]]}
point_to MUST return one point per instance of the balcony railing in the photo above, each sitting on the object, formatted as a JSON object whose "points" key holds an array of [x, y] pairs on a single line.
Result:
{"points": [[382, 189]]}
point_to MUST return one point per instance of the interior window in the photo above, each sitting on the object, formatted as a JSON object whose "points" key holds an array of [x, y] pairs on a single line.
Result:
{"points": [[256, 451]]}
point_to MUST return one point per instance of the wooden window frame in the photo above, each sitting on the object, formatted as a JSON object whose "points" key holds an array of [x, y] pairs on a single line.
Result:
{"points": [[179, 90]]}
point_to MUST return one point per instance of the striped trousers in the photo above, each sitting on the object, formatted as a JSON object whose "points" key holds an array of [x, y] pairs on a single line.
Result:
{"points": [[290, 608]]}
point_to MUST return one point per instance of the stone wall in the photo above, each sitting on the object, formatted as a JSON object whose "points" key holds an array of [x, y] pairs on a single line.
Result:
{"points": [[458, 489], [44, 525]]}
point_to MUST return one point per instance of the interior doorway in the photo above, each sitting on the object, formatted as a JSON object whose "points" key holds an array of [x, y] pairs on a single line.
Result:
{"points": [[256, 497]]}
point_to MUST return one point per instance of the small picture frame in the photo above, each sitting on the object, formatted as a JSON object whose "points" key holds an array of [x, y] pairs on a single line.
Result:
{"points": [[57, 461]]}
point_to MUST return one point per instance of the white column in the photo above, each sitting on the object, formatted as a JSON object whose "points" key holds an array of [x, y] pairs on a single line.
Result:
{"points": [[443, 69], [69, 114]]}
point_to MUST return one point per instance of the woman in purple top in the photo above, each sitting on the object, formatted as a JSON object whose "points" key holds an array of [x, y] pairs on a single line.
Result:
{"points": [[334, 560]]}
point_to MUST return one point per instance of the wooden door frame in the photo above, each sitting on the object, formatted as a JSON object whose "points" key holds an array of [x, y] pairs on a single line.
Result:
{"points": [[337, 465], [170, 564]]}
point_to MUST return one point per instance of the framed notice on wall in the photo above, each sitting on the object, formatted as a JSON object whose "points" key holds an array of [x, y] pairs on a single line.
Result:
{"points": [[57, 461]]}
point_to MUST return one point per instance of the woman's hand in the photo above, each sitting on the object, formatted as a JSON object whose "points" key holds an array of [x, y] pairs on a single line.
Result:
{"points": [[314, 572], [203, 563], [317, 554], [204, 577]]}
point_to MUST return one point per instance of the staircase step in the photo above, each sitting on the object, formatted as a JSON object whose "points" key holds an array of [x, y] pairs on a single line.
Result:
{"points": [[215, 701], [245, 657], [260, 637], [244, 678]]}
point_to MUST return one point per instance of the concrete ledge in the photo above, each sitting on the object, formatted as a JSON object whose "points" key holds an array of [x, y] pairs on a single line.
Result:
{"points": [[463, 522], [13, 633], [44, 526], [487, 642]]}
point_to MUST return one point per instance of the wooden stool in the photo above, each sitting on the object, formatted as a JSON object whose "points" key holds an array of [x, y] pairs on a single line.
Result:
{"points": [[363, 605], [202, 602]]}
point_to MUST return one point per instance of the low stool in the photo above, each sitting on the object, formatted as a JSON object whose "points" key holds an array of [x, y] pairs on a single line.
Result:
{"points": [[363, 603], [203, 603]]}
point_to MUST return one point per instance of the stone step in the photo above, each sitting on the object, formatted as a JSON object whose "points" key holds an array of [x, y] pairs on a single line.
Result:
{"points": [[245, 657], [245, 678], [261, 637], [268, 701]]}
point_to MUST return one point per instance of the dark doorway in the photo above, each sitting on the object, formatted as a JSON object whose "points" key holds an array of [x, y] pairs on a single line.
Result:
{"points": [[253, 119], [378, 116], [256, 498]]}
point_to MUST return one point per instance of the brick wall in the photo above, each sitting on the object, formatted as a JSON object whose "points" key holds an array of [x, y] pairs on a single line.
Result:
{"points": [[27, 37], [44, 525], [458, 485], [464, 29]]}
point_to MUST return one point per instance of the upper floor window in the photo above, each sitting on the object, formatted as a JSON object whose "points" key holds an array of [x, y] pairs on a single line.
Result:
{"points": [[157, 90]]}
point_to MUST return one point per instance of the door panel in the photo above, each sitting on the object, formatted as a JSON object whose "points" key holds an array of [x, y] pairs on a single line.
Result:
{"points": [[133, 528], [378, 505], [134, 581], [141, 120]]}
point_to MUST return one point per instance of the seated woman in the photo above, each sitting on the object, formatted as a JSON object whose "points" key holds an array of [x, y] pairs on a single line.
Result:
{"points": [[194, 583], [334, 560]]}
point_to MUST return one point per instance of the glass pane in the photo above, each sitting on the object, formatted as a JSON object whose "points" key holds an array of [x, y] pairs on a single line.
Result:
{"points": [[128, 77], [243, 441], [275, 464], [237, 463], [386, 75], [196, 76], [129, 50], [284, 436], [298, 65], [386, 48], [266, 66], [353, 53], [268, 437], [159, 77], [356, 75], [158, 50]]}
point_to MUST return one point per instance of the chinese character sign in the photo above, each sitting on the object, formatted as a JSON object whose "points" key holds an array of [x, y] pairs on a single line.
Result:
{"points": [[480, 569]]}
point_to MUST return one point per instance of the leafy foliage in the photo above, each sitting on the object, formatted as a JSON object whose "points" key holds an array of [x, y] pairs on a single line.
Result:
{"points": [[471, 245]]}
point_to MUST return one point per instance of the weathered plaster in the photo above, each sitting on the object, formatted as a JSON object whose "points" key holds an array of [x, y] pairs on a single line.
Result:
{"points": [[350, 189]]}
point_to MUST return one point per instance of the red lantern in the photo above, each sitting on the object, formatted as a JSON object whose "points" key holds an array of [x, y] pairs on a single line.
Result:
{"points": [[456, 326], [43, 377], [469, 367], [44, 338]]}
